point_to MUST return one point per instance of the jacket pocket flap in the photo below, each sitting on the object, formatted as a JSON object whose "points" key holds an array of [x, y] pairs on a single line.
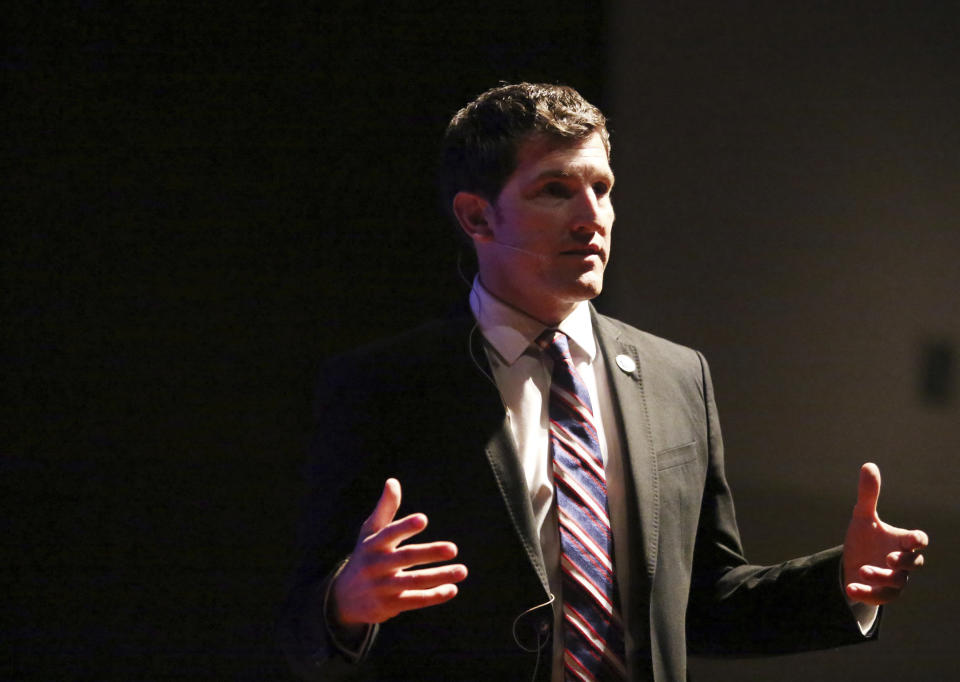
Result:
{"points": [[677, 455]]}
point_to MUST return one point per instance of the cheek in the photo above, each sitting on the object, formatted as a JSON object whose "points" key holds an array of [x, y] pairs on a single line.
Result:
{"points": [[609, 216], [531, 231]]}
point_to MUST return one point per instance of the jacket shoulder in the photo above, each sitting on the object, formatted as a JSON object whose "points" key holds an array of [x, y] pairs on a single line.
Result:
{"points": [[398, 369], [648, 345], [430, 340], [666, 365]]}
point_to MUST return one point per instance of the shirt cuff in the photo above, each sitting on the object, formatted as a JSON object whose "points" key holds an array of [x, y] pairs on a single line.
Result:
{"points": [[866, 615], [353, 643]]}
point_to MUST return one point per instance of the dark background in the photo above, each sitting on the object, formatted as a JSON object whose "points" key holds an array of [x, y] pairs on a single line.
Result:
{"points": [[207, 202]]}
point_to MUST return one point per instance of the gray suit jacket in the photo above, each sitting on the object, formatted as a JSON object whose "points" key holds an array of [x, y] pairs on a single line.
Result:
{"points": [[419, 408]]}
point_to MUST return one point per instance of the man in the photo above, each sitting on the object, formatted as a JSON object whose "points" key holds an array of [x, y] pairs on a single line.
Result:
{"points": [[571, 466]]}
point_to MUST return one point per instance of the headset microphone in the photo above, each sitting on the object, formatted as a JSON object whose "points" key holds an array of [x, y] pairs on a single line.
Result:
{"points": [[519, 250]]}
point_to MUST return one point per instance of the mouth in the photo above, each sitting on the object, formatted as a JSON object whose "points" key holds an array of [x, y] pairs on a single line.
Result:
{"points": [[585, 252]]}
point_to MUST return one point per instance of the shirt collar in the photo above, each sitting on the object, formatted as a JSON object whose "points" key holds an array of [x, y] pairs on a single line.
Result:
{"points": [[511, 331]]}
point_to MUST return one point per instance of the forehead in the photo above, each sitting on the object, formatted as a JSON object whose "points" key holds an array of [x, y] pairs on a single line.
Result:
{"points": [[538, 155]]}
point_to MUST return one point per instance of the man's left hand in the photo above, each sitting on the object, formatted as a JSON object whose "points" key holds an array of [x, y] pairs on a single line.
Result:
{"points": [[877, 557]]}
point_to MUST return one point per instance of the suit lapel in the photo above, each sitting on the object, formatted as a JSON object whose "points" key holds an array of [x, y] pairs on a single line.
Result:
{"points": [[505, 463], [501, 451], [640, 466], [642, 484], [639, 458]]}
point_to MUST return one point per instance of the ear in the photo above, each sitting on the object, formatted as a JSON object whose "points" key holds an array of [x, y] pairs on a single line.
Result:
{"points": [[471, 212]]}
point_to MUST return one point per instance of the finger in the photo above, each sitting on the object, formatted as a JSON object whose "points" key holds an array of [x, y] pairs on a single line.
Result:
{"points": [[914, 540], [417, 555], [868, 491], [394, 533], [869, 594], [428, 578], [883, 577], [386, 508], [421, 599], [904, 561]]}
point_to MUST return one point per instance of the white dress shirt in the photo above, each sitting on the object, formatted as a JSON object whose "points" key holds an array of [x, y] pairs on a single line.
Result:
{"points": [[522, 373]]}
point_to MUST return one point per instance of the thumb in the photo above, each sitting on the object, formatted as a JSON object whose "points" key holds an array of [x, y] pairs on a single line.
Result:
{"points": [[386, 509], [868, 491]]}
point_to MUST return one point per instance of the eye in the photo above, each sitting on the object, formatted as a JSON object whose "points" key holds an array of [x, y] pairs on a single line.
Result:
{"points": [[557, 189], [601, 189]]}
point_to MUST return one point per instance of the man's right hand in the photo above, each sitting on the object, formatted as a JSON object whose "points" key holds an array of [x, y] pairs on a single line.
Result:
{"points": [[377, 582]]}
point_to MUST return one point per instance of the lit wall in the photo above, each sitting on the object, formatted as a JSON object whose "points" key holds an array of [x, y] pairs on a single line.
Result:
{"points": [[788, 196]]}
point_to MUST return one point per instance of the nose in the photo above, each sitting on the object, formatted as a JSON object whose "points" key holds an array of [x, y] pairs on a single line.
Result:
{"points": [[594, 213]]}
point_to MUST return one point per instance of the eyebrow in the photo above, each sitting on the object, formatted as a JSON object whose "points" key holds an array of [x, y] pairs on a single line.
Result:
{"points": [[558, 173]]}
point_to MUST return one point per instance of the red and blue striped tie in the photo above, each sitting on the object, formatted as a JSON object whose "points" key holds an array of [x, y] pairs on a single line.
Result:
{"points": [[593, 630]]}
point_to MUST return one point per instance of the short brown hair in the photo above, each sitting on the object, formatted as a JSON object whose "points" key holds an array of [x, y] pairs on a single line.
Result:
{"points": [[480, 145]]}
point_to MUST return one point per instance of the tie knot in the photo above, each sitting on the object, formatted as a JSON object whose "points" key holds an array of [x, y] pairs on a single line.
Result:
{"points": [[554, 342]]}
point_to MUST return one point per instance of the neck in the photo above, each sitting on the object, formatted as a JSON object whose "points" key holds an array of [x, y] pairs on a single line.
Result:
{"points": [[548, 313]]}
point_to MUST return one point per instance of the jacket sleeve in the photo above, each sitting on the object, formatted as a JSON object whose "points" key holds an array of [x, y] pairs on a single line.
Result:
{"points": [[331, 517], [736, 608], [313, 648]]}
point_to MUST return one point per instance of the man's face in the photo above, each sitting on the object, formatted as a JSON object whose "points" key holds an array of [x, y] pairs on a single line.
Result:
{"points": [[550, 228]]}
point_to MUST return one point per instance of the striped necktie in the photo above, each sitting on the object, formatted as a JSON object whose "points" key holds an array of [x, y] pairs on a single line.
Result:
{"points": [[593, 630]]}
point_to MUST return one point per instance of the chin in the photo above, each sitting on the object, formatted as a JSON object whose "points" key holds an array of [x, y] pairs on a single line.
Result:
{"points": [[593, 283], [585, 289]]}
